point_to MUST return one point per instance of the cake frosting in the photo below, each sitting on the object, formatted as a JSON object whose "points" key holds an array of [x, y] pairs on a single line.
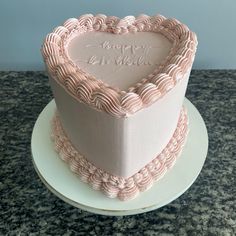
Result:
{"points": [[119, 86], [127, 57], [99, 94], [116, 186]]}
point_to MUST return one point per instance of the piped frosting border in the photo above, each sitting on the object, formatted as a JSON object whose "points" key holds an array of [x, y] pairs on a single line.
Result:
{"points": [[114, 186], [100, 95]]}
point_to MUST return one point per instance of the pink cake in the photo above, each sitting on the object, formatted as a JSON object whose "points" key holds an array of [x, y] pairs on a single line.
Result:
{"points": [[119, 86]]}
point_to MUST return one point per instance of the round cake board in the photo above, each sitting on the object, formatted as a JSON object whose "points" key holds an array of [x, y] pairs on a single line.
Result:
{"points": [[59, 179]]}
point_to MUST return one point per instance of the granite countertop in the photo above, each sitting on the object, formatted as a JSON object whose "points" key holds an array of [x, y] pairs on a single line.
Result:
{"points": [[27, 207]]}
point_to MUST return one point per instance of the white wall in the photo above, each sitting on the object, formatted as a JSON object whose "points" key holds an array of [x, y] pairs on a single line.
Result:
{"points": [[24, 24]]}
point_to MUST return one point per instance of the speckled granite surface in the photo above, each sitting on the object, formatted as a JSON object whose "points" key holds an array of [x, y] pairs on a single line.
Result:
{"points": [[28, 208]]}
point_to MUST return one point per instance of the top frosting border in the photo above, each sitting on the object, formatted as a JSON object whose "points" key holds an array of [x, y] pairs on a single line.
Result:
{"points": [[100, 95]]}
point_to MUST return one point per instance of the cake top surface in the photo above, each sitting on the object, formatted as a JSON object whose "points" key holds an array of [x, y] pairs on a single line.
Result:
{"points": [[119, 65], [118, 60]]}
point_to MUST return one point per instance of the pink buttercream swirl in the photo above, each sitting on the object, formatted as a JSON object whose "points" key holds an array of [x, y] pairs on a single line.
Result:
{"points": [[116, 186], [111, 100], [131, 102], [107, 99]]}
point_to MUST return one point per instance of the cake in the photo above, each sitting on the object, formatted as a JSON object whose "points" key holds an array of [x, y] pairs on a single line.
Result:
{"points": [[119, 86]]}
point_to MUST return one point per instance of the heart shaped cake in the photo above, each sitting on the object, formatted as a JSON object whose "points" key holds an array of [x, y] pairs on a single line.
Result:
{"points": [[119, 86]]}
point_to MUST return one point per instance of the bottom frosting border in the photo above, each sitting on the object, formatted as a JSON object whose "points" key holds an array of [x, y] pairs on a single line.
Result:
{"points": [[116, 186]]}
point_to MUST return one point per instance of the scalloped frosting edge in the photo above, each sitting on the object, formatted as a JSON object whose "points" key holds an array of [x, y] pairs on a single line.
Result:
{"points": [[115, 186], [87, 89]]}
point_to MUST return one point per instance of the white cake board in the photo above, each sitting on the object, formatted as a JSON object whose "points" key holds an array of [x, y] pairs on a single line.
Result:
{"points": [[58, 178]]}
